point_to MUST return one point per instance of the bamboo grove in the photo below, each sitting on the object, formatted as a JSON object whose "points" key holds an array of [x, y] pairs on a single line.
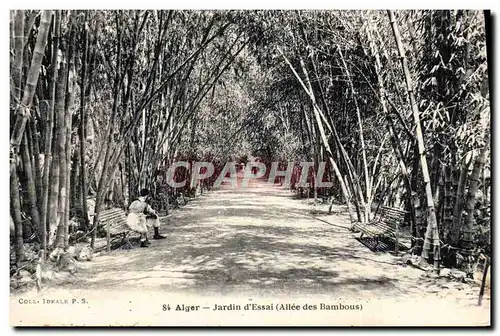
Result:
{"points": [[397, 103]]}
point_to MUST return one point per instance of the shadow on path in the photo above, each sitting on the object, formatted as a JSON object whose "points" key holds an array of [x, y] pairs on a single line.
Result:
{"points": [[255, 241]]}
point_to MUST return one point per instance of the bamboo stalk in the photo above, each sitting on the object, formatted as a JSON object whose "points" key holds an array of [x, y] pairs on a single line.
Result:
{"points": [[483, 281], [459, 199], [390, 125], [68, 122], [68, 107], [82, 128], [12, 38], [110, 143], [37, 173], [31, 82], [57, 201], [468, 226], [323, 136], [447, 220], [431, 234], [17, 69], [108, 236], [61, 149], [352, 177], [49, 133], [15, 94], [15, 207], [361, 139], [33, 203]]}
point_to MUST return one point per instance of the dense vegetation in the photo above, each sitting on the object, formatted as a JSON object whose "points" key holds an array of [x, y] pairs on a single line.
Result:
{"points": [[397, 103]]}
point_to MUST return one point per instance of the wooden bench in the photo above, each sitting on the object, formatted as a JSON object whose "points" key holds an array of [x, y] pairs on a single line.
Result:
{"points": [[386, 224], [115, 222]]}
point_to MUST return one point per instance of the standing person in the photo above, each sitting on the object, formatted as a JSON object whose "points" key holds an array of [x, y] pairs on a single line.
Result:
{"points": [[140, 216]]}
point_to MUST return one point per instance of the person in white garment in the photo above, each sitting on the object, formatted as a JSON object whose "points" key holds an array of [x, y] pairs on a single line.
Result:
{"points": [[141, 216]]}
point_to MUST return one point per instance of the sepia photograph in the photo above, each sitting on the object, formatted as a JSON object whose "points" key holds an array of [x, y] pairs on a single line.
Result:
{"points": [[256, 168]]}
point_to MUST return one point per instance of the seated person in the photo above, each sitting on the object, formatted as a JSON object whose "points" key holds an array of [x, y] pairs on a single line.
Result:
{"points": [[141, 216]]}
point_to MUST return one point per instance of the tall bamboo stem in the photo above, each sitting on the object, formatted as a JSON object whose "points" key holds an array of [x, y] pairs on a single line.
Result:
{"points": [[431, 234]]}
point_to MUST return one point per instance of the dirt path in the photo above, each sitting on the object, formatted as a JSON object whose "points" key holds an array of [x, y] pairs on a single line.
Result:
{"points": [[261, 242], [256, 241]]}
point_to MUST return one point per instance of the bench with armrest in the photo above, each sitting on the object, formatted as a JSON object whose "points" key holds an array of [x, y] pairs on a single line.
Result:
{"points": [[114, 221], [387, 224]]}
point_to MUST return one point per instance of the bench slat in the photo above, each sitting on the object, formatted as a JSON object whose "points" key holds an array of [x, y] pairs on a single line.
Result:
{"points": [[118, 221], [397, 218], [111, 214], [384, 223], [109, 218], [389, 216], [383, 228], [118, 229], [393, 213], [113, 210]]}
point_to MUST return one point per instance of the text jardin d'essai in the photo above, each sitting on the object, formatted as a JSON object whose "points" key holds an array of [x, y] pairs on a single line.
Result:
{"points": [[276, 307]]}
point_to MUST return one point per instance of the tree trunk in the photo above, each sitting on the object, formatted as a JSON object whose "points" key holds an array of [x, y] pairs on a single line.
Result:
{"points": [[431, 234]]}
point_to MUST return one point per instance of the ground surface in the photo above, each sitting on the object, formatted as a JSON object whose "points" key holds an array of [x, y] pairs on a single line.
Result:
{"points": [[260, 242]]}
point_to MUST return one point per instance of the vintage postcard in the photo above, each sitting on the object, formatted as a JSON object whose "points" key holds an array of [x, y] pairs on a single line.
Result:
{"points": [[250, 167]]}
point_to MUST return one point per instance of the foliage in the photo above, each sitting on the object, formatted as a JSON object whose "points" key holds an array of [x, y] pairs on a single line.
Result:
{"points": [[155, 86]]}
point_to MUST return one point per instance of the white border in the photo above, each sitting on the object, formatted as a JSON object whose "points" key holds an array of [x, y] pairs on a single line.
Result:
{"points": [[189, 4]]}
